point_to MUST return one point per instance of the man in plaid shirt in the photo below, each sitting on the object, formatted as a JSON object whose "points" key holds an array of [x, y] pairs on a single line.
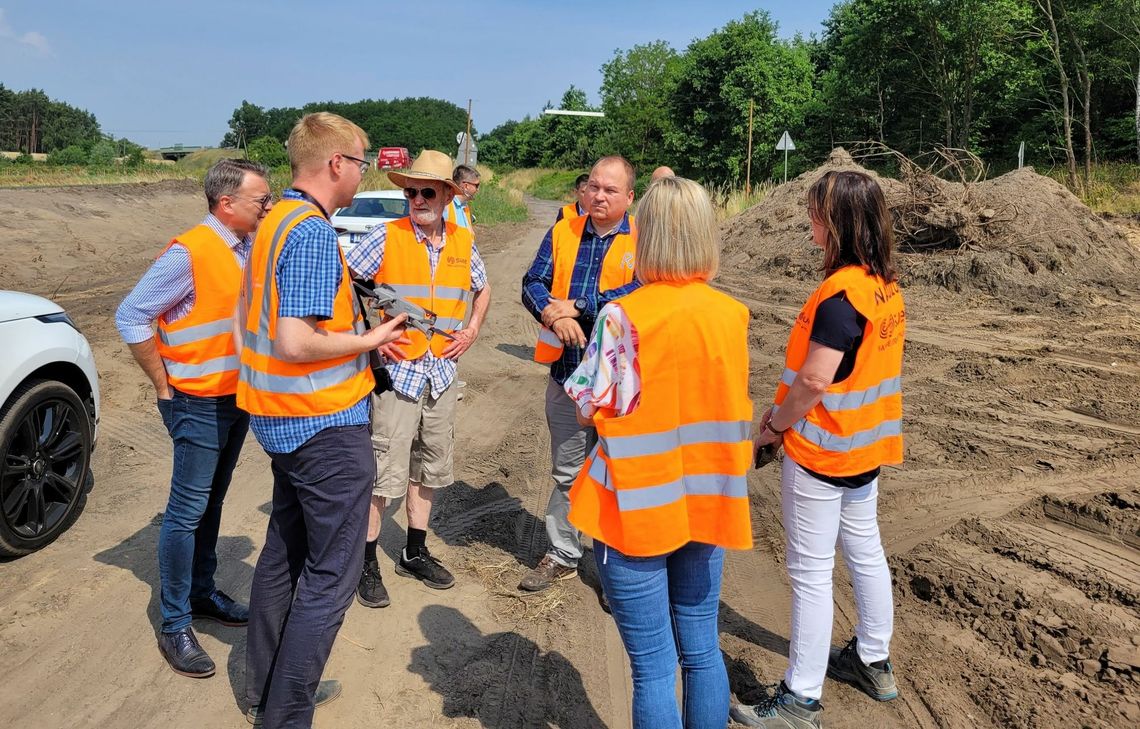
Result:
{"points": [[414, 423]]}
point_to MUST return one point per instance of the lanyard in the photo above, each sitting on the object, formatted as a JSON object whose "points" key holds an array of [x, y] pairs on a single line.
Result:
{"points": [[310, 199]]}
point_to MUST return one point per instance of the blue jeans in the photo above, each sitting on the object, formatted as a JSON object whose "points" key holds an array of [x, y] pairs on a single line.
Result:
{"points": [[208, 433], [664, 606]]}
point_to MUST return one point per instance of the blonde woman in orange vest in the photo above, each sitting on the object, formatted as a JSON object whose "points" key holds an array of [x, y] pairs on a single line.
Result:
{"points": [[189, 294], [663, 493], [837, 413]]}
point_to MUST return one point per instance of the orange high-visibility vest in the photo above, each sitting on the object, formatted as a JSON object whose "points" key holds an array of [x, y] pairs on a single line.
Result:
{"points": [[453, 214], [198, 349], [569, 211], [406, 269], [617, 271], [271, 386], [673, 471], [857, 427]]}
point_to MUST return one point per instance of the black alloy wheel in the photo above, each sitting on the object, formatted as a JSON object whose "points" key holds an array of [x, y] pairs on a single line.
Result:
{"points": [[45, 453]]}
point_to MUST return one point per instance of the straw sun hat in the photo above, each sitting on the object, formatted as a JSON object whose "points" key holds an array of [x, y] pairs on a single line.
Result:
{"points": [[430, 165]]}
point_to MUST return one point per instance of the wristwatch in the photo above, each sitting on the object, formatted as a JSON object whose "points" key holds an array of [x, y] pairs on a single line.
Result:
{"points": [[580, 305]]}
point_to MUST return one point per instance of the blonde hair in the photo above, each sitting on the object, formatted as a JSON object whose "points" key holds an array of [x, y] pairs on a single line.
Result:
{"points": [[677, 234], [318, 136]]}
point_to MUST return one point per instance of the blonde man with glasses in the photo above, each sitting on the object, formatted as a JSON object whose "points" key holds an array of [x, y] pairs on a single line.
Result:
{"points": [[189, 294], [306, 383], [435, 264]]}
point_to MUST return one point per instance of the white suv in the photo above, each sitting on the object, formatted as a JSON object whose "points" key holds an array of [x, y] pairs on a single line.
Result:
{"points": [[49, 409]]}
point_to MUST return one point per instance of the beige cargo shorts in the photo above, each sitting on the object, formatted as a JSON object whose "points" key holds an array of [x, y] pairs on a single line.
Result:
{"points": [[413, 440]]}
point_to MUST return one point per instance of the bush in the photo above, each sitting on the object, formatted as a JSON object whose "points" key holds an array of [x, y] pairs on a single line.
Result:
{"points": [[23, 159], [136, 158], [73, 155], [102, 154], [557, 185], [268, 151]]}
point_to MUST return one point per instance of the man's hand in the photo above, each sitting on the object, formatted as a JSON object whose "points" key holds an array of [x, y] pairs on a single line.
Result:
{"points": [[464, 338], [569, 332], [558, 309], [389, 332]]}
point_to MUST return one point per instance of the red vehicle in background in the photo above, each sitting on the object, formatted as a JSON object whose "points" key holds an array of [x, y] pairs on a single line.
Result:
{"points": [[393, 158]]}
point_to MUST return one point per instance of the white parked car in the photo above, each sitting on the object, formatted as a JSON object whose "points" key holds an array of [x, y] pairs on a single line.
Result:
{"points": [[49, 410], [368, 209]]}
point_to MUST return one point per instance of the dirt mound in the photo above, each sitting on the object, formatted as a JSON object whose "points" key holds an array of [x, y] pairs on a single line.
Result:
{"points": [[1020, 233], [1038, 610]]}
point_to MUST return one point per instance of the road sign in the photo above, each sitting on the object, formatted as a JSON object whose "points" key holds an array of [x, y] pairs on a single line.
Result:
{"points": [[1021, 156], [786, 144], [571, 112], [468, 151]]}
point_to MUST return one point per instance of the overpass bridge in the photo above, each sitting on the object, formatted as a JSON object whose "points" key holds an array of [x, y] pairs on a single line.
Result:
{"points": [[178, 151]]}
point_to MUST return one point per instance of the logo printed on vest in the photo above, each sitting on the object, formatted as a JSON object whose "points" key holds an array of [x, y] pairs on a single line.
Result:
{"points": [[888, 326], [883, 294], [457, 261], [627, 261]]}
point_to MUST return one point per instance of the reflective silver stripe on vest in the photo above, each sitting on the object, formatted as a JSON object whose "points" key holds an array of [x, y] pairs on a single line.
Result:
{"points": [[408, 291], [836, 401], [196, 333], [453, 293], [185, 371], [709, 431], [647, 497], [307, 383], [548, 337], [812, 433], [448, 324]]}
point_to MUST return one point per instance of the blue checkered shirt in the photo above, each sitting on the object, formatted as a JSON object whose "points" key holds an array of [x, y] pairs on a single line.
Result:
{"points": [[308, 275], [539, 278], [411, 376]]}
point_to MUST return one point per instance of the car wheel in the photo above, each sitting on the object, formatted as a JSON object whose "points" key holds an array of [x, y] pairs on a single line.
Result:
{"points": [[45, 452]]}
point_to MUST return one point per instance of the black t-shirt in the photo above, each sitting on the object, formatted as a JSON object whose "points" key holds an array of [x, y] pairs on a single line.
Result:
{"points": [[840, 327]]}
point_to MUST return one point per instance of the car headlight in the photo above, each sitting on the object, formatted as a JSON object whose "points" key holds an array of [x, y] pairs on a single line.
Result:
{"points": [[58, 317]]}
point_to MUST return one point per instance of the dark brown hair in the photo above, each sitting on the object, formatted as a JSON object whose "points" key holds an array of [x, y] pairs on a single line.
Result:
{"points": [[852, 208]]}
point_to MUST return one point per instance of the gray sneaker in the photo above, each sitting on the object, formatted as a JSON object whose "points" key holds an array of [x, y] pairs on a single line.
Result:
{"points": [[785, 710], [845, 665], [546, 574]]}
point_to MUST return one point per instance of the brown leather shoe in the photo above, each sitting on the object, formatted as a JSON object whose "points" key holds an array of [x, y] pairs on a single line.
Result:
{"points": [[546, 574]]}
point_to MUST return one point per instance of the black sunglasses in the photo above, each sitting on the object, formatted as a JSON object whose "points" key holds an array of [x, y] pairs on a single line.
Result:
{"points": [[428, 193]]}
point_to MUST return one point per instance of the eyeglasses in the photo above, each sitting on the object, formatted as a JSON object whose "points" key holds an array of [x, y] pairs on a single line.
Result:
{"points": [[262, 202], [472, 184], [428, 193], [364, 164]]}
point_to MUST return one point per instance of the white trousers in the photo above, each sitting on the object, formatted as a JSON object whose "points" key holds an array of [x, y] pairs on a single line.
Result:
{"points": [[815, 515]]}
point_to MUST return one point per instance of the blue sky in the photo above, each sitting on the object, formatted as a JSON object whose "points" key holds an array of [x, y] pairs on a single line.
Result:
{"points": [[161, 72]]}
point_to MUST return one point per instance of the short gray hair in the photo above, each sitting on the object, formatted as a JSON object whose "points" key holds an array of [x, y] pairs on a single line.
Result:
{"points": [[226, 175], [464, 173]]}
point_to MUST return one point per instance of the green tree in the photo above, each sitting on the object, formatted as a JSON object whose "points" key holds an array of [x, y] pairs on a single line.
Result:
{"points": [[717, 78], [102, 154], [572, 141], [247, 123], [635, 86], [73, 155], [268, 151]]}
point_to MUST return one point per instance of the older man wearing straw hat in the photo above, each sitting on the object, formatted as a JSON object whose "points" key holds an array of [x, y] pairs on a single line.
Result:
{"points": [[433, 263]]}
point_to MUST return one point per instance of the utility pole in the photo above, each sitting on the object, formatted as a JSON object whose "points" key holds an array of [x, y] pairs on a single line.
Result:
{"points": [[748, 172], [467, 139]]}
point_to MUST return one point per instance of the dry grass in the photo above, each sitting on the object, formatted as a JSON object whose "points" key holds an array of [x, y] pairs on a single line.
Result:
{"points": [[731, 202], [522, 180], [500, 579], [38, 175]]}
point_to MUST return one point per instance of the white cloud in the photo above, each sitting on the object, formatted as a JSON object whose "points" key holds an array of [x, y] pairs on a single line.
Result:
{"points": [[31, 39]]}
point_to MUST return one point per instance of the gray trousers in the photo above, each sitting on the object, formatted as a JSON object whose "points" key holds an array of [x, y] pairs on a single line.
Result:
{"points": [[569, 445]]}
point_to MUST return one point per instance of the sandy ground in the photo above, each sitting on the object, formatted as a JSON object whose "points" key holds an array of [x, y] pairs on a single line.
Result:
{"points": [[1012, 527]]}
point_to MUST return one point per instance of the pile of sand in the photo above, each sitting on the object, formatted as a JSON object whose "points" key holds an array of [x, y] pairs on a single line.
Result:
{"points": [[1020, 233]]}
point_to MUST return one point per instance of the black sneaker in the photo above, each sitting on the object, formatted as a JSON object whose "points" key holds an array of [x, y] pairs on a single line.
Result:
{"points": [[326, 692], [185, 656], [370, 592], [426, 569], [784, 710], [844, 664], [221, 608]]}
